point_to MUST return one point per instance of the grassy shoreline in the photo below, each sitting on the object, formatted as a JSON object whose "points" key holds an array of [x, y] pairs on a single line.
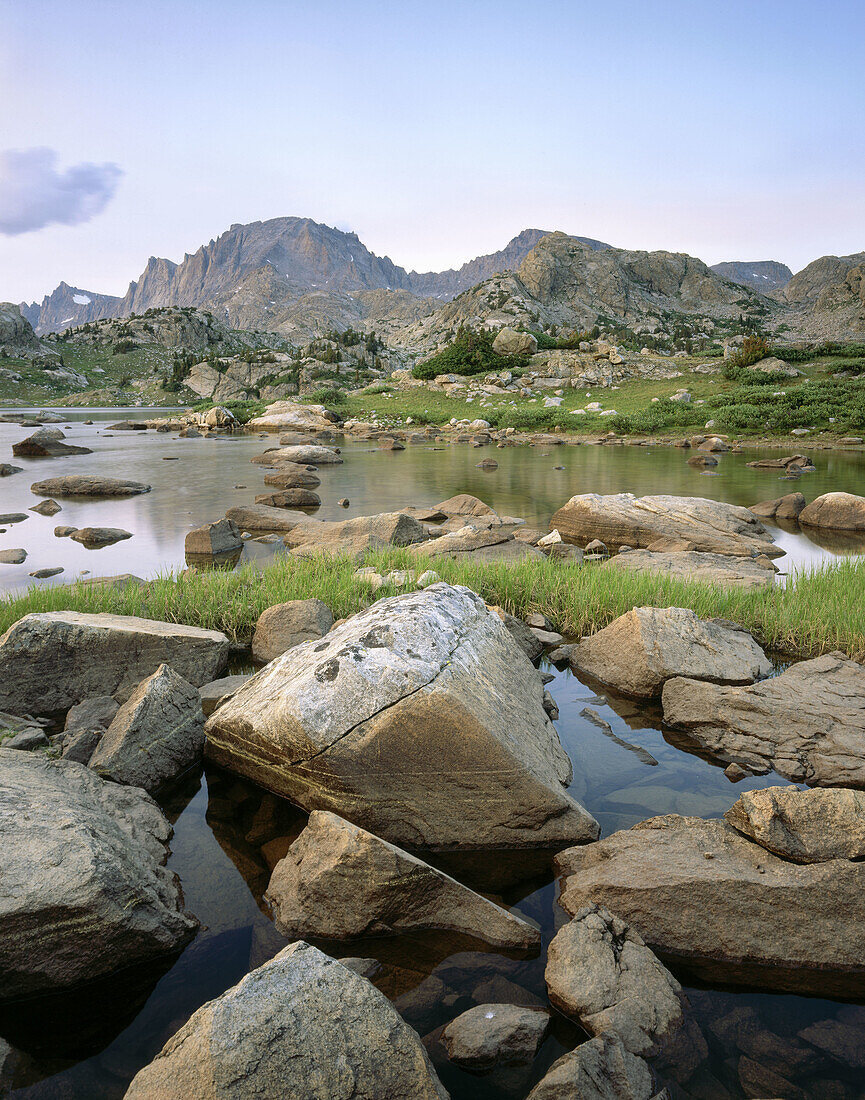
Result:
{"points": [[820, 612]]}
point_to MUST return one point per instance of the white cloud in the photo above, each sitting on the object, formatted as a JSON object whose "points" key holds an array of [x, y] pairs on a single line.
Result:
{"points": [[34, 193]]}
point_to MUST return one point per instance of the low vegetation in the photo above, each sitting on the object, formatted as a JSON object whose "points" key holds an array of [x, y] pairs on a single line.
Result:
{"points": [[470, 353], [819, 610]]}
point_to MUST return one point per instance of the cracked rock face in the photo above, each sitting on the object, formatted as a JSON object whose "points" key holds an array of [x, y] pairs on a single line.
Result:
{"points": [[339, 881], [808, 724], [420, 720], [50, 661], [663, 523], [301, 1025], [85, 892], [705, 897], [600, 972], [638, 652], [155, 736]]}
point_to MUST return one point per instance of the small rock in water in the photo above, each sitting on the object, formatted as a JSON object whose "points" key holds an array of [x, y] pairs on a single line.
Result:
{"points": [[93, 538], [41, 574], [47, 508], [736, 773], [343, 502], [13, 557], [13, 517]]}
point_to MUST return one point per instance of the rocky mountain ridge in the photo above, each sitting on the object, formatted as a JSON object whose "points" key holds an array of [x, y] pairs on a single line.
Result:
{"points": [[762, 275]]}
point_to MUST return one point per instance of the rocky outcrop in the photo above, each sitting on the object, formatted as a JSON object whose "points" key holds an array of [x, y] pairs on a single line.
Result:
{"points": [[787, 507], [805, 826], [495, 1034], [288, 624], [601, 1069], [711, 901], [155, 736], [85, 890], [663, 523], [838, 511], [600, 972], [692, 565], [339, 881], [301, 1025], [419, 719], [761, 275], [808, 724], [643, 649], [87, 485], [52, 660], [17, 339]]}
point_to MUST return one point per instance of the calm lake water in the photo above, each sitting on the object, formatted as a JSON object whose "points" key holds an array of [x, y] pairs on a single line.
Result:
{"points": [[228, 833]]}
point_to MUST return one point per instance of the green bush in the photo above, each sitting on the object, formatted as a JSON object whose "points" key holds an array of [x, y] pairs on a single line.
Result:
{"points": [[753, 349], [470, 353], [328, 397], [124, 346]]}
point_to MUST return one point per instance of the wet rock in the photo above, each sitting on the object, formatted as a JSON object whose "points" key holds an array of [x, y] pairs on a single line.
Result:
{"points": [[419, 719], [88, 485], [221, 537], [600, 972], [93, 538], [839, 1039], [155, 736], [710, 900], [805, 826], [260, 517], [664, 523], [786, 507], [337, 1037], [64, 531], [495, 1034], [216, 692], [339, 881], [720, 569], [13, 557], [808, 724], [50, 661], [86, 892], [288, 624], [758, 1080], [390, 444], [292, 476], [641, 650], [47, 508], [702, 461], [601, 1069], [7, 470], [290, 498], [45, 443], [838, 511]]}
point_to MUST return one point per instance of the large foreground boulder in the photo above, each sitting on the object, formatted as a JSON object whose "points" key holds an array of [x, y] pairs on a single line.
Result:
{"points": [[155, 736], [88, 485], [663, 523], [600, 972], [602, 1069], [84, 889], [339, 882], [838, 511], [805, 826], [638, 652], [288, 624], [302, 1025], [808, 724], [708, 899], [49, 661], [692, 565], [419, 719]]}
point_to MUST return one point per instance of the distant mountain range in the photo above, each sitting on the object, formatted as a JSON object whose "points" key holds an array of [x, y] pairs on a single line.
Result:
{"points": [[298, 277]]}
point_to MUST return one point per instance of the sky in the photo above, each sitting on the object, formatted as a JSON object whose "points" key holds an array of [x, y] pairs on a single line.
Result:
{"points": [[435, 130]]}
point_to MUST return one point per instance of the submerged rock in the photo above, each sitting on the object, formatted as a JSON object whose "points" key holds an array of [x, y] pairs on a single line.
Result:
{"points": [[495, 1034], [710, 900], [805, 826], [50, 661], [644, 648], [155, 736], [302, 1025], [288, 624], [808, 724], [419, 719], [292, 476], [88, 485], [338, 882], [85, 891], [663, 523], [600, 972]]}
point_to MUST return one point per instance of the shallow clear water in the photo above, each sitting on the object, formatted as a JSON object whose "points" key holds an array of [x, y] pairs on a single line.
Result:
{"points": [[228, 832], [203, 482]]}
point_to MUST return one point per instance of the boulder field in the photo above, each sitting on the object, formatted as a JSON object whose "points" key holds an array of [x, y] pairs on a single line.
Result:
{"points": [[420, 720]]}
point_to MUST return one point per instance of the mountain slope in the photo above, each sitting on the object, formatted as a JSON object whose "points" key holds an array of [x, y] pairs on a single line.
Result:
{"points": [[69, 306], [762, 275]]}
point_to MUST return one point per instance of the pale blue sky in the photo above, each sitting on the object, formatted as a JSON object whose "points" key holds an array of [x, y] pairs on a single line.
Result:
{"points": [[438, 130]]}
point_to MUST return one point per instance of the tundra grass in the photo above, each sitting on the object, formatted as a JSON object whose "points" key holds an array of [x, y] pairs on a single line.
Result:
{"points": [[817, 611]]}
